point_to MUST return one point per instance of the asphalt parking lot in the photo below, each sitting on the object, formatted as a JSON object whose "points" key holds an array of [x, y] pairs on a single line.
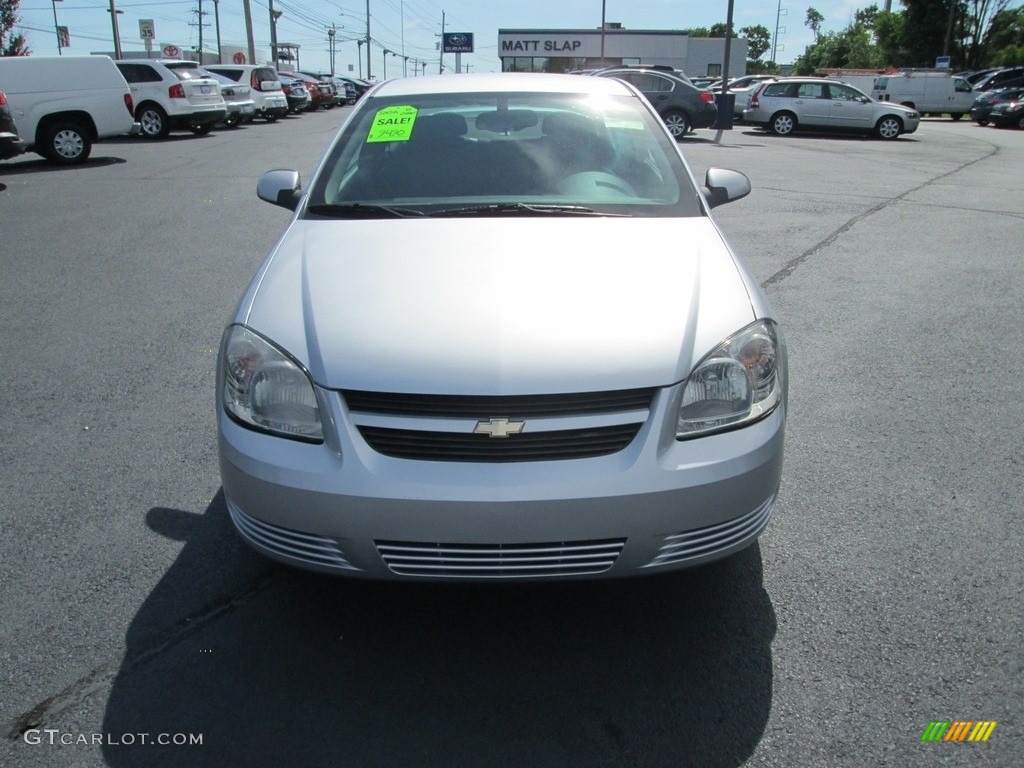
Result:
{"points": [[884, 596]]}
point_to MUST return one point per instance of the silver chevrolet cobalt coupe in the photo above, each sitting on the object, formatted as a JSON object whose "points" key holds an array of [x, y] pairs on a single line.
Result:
{"points": [[501, 338]]}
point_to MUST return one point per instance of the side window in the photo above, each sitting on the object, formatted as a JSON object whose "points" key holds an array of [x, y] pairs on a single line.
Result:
{"points": [[146, 74], [812, 91], [961, 86], [130, 72], [649, 83], [778, 89], [842, 93]]}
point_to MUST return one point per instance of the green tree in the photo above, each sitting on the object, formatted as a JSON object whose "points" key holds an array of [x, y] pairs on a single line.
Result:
{"points": [[814, 22], [924, 32], [699, 32], [1003, 44], [10, 44], [759, 40], [718, 30]]}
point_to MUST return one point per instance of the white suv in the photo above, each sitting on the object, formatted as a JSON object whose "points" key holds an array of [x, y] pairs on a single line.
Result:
{"points": [[265, 88], [167, 99]]}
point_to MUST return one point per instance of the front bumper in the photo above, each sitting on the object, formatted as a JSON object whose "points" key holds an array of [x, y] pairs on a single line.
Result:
{"points": [[656, 505]]}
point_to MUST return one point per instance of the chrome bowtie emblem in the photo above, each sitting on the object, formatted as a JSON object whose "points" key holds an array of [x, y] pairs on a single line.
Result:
{"points": [[498, 427]]}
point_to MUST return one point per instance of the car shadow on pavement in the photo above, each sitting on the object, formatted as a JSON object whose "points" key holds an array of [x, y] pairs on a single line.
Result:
{"points": [[302, 669], [42, 165]]}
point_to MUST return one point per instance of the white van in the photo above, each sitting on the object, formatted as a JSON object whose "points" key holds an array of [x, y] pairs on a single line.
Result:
{"points": [[63, 104], [930, 93]]}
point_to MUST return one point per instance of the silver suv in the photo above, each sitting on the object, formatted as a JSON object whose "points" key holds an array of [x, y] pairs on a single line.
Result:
{"points": [[786, 105], [167, 98]]}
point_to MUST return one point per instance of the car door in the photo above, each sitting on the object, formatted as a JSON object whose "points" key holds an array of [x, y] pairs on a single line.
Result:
{"points": [[849, 108], [812, 104]]}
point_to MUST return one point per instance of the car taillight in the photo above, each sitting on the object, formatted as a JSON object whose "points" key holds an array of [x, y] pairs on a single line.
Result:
{"points": [[287, 89], [707, 96], [129, 103], [176, 91], [3, 99], [754, 103]]}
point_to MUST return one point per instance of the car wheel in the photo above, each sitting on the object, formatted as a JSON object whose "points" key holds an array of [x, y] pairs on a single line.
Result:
{"points": [[678, 124], [233, 120], [1020, 122], [783, 123], [271, 118], [957, 116], [889, 127], [153, 121], [201, 130], [982, 122], [67, 143]]}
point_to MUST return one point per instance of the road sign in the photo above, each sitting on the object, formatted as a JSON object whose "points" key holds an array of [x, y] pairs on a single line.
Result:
{"points": [[238, 58], [146, 29]]}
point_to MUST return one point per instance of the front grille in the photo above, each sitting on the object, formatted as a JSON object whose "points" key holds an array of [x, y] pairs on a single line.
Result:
{"points": [[705, 541], [317, 551], [500, 561], [485, 407], [536, 446], [404, 425]]}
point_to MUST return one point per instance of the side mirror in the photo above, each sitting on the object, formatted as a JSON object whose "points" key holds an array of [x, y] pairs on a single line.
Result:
{"points": [[725, 186], [283, 188]]}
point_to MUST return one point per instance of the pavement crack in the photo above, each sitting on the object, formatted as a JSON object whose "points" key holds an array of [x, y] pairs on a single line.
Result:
{"points": [[95, 680], [791, 266]]}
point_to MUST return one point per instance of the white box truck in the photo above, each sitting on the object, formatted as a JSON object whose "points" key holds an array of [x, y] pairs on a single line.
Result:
{"points": [[64, 104], [930, 93]]}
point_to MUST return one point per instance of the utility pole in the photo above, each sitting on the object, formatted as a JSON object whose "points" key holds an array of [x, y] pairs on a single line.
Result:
{"points": [[117, 35], [330, 39], [216, 20], [274, 16], [248, 32], [57, 29], [367, 39], [440, 65]]}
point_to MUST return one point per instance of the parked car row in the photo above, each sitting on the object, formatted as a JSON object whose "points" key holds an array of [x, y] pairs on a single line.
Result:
{"points": [[64, 104]]}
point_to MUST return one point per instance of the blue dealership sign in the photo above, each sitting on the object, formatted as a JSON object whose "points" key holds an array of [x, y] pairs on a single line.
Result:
{"points": [[458, 42]]}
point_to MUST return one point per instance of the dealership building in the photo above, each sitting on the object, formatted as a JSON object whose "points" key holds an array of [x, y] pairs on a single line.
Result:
{"points": [[568, 50]]}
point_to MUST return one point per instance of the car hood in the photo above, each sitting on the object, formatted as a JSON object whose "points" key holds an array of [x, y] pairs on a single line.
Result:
{"points": [[499, 306]]}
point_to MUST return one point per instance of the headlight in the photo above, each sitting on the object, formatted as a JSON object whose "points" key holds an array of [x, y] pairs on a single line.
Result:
{"points": [[265, 389], [738, 382]]}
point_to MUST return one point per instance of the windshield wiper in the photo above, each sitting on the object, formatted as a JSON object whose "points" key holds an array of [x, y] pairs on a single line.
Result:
{"points": [[522, 209], [362, 211]]}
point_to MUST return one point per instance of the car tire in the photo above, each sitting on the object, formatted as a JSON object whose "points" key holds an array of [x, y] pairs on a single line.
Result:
{"points": [[678, 123], [957, 116], [271, 118], [889, 127], [201, 129], [982, 123], [233, 121], [782, 123], [153, 121], [67, 143]]}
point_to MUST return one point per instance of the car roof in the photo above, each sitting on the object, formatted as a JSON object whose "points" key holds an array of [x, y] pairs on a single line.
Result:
{"points": [[503, 81]]}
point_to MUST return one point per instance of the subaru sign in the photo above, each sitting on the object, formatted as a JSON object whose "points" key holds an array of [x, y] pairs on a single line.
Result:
{"points": [[458, 42]]}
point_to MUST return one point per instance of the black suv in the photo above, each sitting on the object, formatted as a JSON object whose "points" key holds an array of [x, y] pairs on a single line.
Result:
{"points": [[682, 106]]}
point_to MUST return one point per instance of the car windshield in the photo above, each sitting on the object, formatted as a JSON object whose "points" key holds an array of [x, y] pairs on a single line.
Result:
{"points": [[525, 154]]}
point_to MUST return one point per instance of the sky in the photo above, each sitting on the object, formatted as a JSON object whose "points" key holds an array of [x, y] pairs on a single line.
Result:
{"points": [[408, 27]]}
